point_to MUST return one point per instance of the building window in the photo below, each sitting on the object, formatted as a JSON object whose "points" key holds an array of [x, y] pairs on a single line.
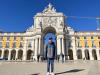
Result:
{"points": [[93, 45], [84, 37], [21, 38], [14, 38], [78, 45], [78, 37], [14, 45], [1, 38], [70, 44], [91, 37], [0, 44], [86, 44], [8, 38], [99, 43], [7, 44], [21, 45], [98, 37], [29, 45]]}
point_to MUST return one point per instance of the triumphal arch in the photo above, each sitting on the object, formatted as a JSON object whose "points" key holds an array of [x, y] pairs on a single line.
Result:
{"points": [[49, 20]]}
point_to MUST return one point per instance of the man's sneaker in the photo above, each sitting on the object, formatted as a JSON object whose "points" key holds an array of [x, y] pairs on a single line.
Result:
{"points": [[52, 74], [48, 73]]}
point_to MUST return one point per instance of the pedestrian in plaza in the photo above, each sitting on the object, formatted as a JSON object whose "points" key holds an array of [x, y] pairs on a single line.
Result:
{"points": [[58, 57], [62, 58], [38, 57], [50, 56]]}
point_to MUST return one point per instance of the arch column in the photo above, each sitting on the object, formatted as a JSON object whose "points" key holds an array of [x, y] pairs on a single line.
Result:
{"points": [[58, 46], [2, 53], [9, 55], [63, 47], [25, 49], [32, 44], [39, 45], [42, 46], [36, 47], [66, 45], [83, 54], [97, 53], [90, 54], [74, 48], [16, 57]]}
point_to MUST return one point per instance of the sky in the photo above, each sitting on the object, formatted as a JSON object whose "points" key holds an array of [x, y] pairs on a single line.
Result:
{"points": [[17, 15]]}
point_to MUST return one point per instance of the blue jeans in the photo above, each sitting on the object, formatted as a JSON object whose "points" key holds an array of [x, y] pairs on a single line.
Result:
{"points": [[50, 65]]}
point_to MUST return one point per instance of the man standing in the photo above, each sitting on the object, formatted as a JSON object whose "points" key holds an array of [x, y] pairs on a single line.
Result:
{"points": [[50, 56]]}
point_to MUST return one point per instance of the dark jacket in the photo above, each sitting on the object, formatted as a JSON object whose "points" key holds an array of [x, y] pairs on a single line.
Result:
{"points": [[50, 51]]}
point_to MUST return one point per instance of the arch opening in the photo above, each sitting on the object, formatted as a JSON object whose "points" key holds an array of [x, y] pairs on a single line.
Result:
{"points": [[13, 54], [94, 54], [49, 32], [70, 54], [29, 54], [6, 53], [79, 54], [87, 57], [20, 54]]}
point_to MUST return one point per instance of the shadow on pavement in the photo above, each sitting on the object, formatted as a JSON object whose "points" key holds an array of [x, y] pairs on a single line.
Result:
{"points": [[35, 74], [70, 71]]}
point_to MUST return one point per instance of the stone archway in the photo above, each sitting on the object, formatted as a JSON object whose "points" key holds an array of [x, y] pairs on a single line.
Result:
{"points": [[29, 54], [13, 54], [79, 54], [6, 52], [70, 54], [49, 32], [94, 54], [0, 53], [20, 54], [87, 57], [51, 22]]}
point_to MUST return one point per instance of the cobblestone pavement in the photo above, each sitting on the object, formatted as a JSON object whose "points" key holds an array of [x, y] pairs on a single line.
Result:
{"points": [[33, 68]]}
